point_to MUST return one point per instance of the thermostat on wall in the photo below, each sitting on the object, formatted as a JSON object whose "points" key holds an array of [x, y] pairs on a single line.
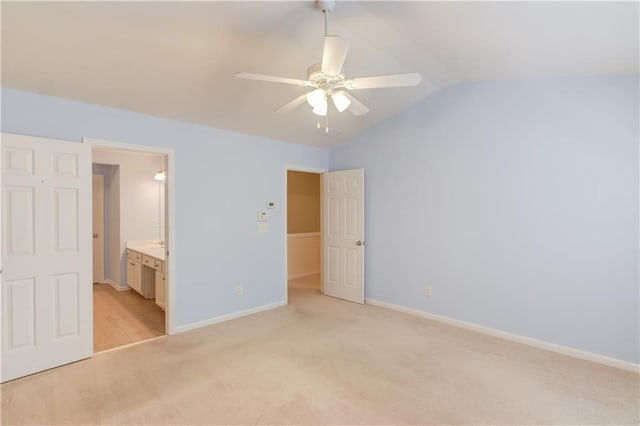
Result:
{"points": [[271, 205]]}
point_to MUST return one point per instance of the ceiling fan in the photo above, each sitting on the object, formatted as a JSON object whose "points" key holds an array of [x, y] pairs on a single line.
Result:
{"points": [[327, 81]]}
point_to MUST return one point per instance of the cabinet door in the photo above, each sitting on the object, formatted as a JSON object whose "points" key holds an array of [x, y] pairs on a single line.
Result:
{"points": [[137, 277], [130, 273], [134, 275], [161, 289]]}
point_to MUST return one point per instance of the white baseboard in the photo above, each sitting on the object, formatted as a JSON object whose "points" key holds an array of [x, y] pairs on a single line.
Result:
{"points": [[564, 350], [305, 274], [116, 286], [227, 317]]}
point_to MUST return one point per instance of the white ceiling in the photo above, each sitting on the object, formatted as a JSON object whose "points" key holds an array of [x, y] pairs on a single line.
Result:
{"points": [[177, 59]]}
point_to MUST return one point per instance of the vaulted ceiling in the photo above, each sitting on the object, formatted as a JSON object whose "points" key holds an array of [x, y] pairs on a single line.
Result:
{"points": [[177, 59]]}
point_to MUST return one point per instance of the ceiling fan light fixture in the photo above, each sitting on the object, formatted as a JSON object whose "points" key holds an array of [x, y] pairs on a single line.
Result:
{"points": [[316, 97], [326, 79], [321, 107], [341, 101]]}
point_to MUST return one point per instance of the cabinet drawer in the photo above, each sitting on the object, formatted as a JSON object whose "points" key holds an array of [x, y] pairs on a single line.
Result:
{"points": [[159, 265], [134, 255], [148, 261], [152, 262]]}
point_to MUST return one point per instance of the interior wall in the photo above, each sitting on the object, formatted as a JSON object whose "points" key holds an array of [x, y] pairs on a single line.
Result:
{"points": [[516, 202], [221, 179], [139, 209], [303, 255], [303, 202]]}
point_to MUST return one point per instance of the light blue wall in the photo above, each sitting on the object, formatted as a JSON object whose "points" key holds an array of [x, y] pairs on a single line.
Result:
{"points": [[221, 180], [517, 202]]}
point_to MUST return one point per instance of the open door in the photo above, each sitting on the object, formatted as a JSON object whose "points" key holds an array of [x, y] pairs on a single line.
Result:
{"points": [[46, 254], [343, 235], [98, 228]]}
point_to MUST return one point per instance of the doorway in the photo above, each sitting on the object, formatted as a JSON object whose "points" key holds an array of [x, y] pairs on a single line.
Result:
{"points": [[47, 293], [303, 230], [129, 264], [340, 239]]}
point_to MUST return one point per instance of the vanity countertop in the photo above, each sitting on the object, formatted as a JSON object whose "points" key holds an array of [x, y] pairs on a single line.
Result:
{"points": [[149, 247]]}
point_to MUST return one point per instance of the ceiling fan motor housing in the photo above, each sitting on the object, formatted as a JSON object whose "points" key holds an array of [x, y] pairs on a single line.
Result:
{"points": [[322, 80]]}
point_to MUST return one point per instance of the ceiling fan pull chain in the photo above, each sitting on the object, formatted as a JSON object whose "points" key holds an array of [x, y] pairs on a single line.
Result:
{"points": [[326, 123], [326, 21]]}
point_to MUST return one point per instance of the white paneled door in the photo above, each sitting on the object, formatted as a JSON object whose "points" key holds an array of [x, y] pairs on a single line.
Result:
{"points": [[46, 254], [343, 234]]}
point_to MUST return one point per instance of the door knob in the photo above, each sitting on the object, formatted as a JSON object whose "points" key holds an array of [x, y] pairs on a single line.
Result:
{"points": [[95, 235], [359, 243]]}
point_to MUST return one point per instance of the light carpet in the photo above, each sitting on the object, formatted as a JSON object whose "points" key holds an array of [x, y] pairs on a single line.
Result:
{"points": [[321, 360]]}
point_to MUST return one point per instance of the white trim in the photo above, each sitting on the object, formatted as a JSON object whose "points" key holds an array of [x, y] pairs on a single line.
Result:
{"points": [[227, 317], [293, 168], [169, 186], [304, 235], [304, 274], [315, 170], [127, 146], [128, 345], [115, 285], [564, 350]]}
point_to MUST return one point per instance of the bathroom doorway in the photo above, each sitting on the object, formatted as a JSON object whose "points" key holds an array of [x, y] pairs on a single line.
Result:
{"points": [[130, 285]]}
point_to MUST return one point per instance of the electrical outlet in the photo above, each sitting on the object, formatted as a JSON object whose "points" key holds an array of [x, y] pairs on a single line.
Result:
{"points": [[239, 290], [427, 291]]}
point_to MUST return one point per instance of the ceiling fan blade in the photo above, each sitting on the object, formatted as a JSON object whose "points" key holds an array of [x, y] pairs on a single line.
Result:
{"points": [[333, 55], [272, 78], [381, 81], [356, 108], [293, 104]]}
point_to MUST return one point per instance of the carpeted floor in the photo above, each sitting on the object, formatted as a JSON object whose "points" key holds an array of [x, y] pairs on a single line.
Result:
{"points": [[321, 360]]}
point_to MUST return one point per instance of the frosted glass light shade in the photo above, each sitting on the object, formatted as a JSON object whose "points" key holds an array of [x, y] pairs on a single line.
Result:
{"points": [[341, 101], [159, 176], [321, 107], [316, 97]]}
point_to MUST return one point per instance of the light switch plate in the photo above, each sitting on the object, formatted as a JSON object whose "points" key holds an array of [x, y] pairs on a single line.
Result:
{"points": [[262, 216]]}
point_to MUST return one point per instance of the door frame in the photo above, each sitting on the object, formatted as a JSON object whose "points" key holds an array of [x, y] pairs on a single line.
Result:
{"points": [[315, 170], [169, 209]]}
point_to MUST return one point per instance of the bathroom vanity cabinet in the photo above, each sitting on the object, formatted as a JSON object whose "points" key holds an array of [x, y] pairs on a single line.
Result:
{"points": [[146, 270]]}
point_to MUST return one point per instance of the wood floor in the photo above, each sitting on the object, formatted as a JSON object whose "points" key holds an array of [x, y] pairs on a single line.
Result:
{"points": [[310, 281], [123, 317]]}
